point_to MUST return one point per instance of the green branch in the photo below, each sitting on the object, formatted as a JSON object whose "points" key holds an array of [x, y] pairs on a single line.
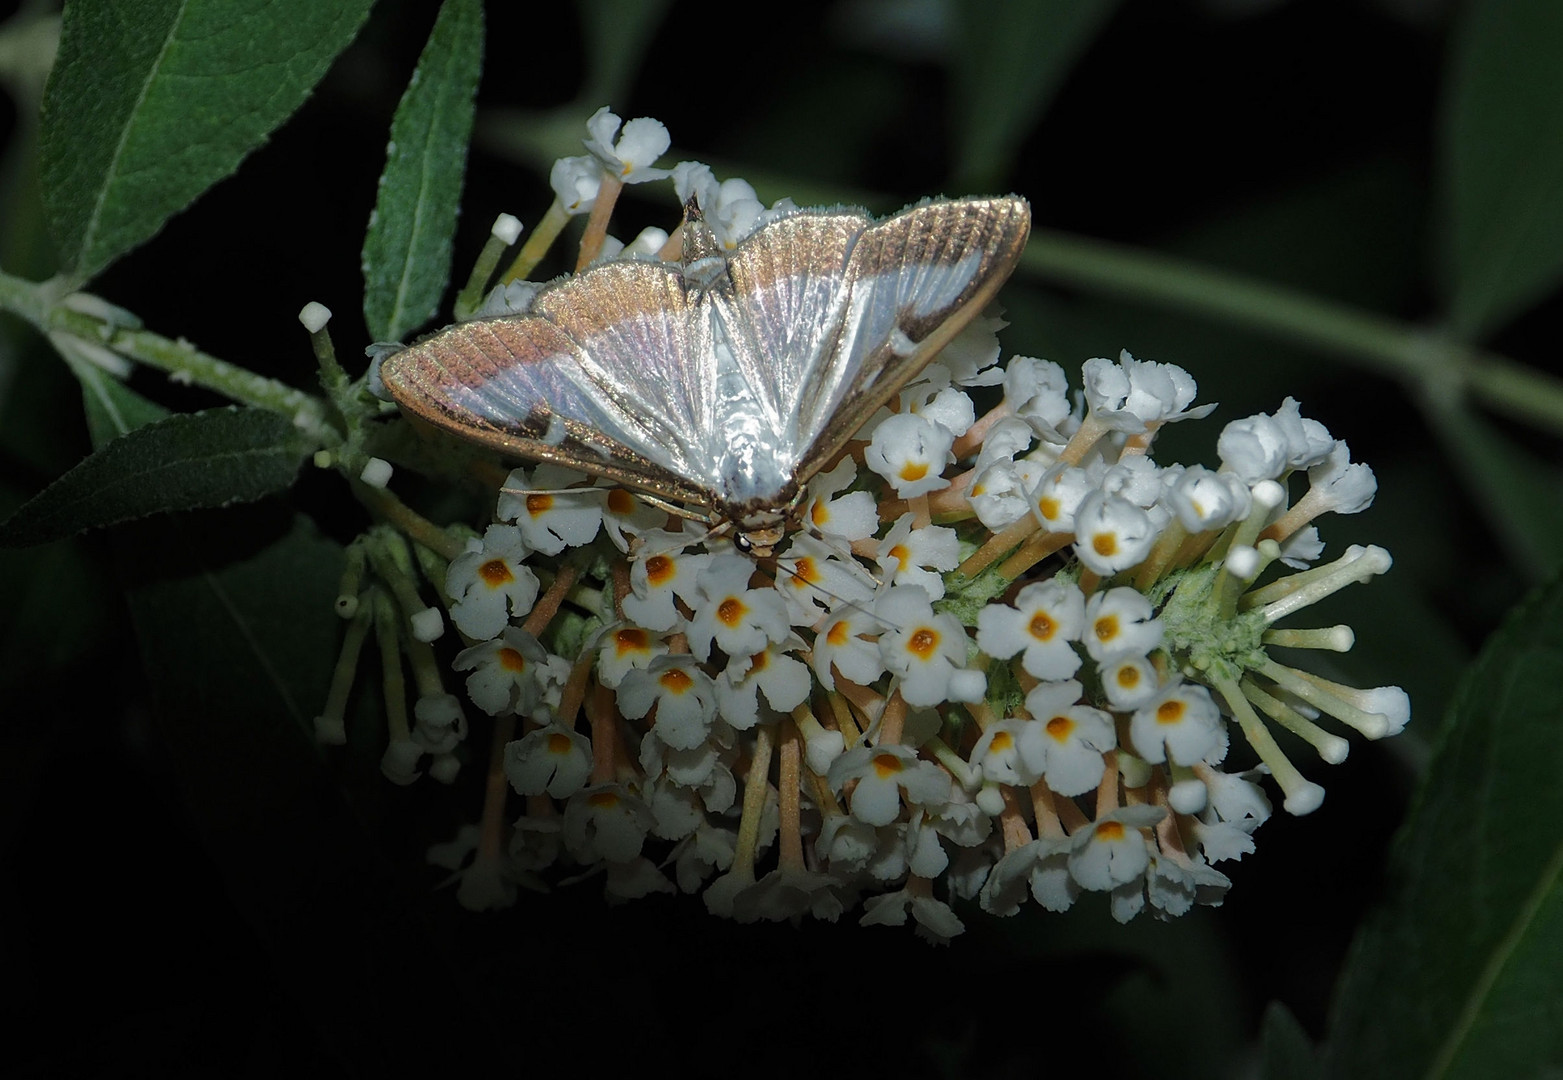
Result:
{"points": [[1423, 359], [39, 304]]}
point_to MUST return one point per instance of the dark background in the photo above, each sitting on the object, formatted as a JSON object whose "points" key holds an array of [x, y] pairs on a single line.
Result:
{"points": [[1294, 141]]}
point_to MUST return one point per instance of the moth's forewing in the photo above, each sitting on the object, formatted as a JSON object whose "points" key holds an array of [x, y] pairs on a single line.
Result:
{"points": [[789, 298], [524, 386], [916, 280]]}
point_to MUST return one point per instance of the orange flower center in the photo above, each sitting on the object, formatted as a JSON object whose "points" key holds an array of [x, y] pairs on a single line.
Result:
{"points": [[632, 639], [887, 765], [923, 642], [511, 660], [496, 573], [676, 680], [1042, 626], [659, 568], [731, 611]]}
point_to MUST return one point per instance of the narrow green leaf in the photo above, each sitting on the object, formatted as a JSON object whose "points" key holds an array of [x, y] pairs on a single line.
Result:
{"points": [[190, 460], [151, 103], [1012, 57], [1458, 975], [407, 251], [1518, 491], [1503, 162], [112, 408], [1287, 1053]]}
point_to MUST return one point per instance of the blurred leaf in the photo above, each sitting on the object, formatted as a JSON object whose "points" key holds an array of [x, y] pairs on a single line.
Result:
{"points": [[618, 33], [151, 103], [1503, 162], [113, 409], [1012, 56], [206, 459], [1521, 494], [233, 612], [407, 252], [1288, 1052], [1458, 974]]}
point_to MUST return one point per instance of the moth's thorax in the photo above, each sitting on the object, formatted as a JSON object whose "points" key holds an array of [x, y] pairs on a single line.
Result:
{"points": [[751, 459]]}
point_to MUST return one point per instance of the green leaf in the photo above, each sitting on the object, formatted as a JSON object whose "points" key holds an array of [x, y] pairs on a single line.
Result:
{"points": [[190, 460], [407, 252], [1518, 491], [1287, 1052], [1013, 55], [1458, 975], [618, 33], [1503, 162], [112, 408], [151, 103]]}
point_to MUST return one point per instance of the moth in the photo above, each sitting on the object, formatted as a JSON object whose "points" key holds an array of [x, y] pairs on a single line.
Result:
{"points": [[718, 385]]}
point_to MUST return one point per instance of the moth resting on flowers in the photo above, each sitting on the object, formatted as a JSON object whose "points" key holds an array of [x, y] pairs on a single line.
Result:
{"points": [[718, 386]]}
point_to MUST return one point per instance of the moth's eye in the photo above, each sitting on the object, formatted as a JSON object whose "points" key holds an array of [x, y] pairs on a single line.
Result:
{"points": [[743, 543]]}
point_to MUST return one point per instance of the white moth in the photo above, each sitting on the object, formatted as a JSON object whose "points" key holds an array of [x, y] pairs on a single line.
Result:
{"points": [[718, 385]]}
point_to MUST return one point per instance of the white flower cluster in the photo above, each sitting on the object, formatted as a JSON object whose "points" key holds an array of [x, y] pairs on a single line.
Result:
{"points": [[1003, 660]]}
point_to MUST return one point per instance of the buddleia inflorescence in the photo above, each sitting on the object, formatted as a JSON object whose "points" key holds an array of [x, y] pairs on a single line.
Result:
{"points": [[1004, 661]]}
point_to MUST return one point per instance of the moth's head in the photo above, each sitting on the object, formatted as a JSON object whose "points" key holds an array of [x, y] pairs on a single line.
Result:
{"points": [[757, 530], [759, 541]]}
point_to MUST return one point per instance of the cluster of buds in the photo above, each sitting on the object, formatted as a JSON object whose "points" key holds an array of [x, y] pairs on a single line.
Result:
{"points": [[1003, 662]]}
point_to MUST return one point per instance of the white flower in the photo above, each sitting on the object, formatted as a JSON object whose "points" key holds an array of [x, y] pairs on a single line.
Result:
{"points": [[606, 822], [1255, 448], [1047, 618], [684, 697], [1059, 493], [1128, 679], [1038, 391], [783, 680], [853, 515], [554, 758], [1206, 501], [812, 580], [623, 650], [1134, 394], [1181, 724], [739, 620], [576, 181], [912, 556], [927, 651], [489, 582], [1120, 620], [1069, 738], [642, 141], [910, 452], [508, 672], [883, 773], [842, 643], [551, 518], [1111, 533], [730, 208], [1113, 851], [659, 576]]}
